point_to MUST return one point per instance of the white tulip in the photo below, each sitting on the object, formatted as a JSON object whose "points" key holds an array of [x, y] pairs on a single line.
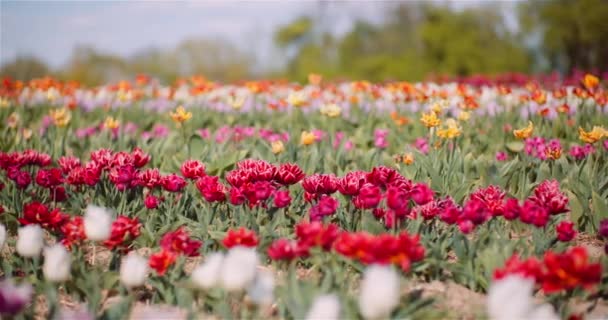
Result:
{"points": [[512, 298], [57, 263], [326, 307], [261, 291], [30, 241], [239, 268], [2, 235], [544, 311], [379, 292], [133, 270], [207, 275], [97, 223]]}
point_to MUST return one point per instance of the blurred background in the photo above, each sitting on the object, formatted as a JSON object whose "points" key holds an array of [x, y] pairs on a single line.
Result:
{"points": [[96, 42]]}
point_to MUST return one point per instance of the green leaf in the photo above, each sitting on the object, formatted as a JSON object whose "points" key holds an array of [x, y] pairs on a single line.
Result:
{"points": [[515, 146], [600, 208]]}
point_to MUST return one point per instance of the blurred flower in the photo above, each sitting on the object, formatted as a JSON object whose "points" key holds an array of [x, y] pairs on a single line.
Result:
{"points": [[277, 147], [326, 306], [307, 138], [297, 98], [603, 230], [315, 79], [61, 117], [124, 231], [29, 241], [331, 110], [565, 231], [524, 133], [161, 261], [14, 298], [407, 158], [282, 199], [380, 141], [133, 270], [450, 130], [379, 292], [2, 236], [179, 242], [464, 116], [151, 201], [592, 136], [207, 275], [13, 120], [180, 115], [211, 189], [590, 81], [38, 213], [97, 223], [326, 206], [111, 123], [430, 120], [239, 268], [57, 263], [501, 156], [240, 237], [261, 291], [512, 298]]}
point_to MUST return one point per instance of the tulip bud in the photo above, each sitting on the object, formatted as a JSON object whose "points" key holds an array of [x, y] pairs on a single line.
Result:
{"points": [[207, 274], [325, 306], [379, 292], [239, 268], [29, 241], [97, 223], [57, 263], [133, 270]]}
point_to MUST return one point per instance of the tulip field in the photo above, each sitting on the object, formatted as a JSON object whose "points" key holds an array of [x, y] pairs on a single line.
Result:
{"points": [[473, 198]]}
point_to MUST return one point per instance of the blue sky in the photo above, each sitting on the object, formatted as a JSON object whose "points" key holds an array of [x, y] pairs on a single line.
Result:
{"points": [[50, 29]]}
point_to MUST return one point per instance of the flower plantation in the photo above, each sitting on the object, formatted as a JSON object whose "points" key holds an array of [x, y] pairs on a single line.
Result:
{"points": [[317, 201]]}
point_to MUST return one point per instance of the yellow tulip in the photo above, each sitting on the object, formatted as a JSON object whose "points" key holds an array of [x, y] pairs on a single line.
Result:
{"points": [[61, 117], [307, 138], [430, 120], [592, 136], [524, 133], [180, 115], [277, 147], [331, 110]]}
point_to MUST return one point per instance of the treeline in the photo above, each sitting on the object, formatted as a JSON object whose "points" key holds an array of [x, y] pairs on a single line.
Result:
{"points": [[414, 41]]}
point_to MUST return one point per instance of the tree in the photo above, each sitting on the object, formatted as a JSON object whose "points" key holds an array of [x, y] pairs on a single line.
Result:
{"points": [[24, 68], [573, 33]]}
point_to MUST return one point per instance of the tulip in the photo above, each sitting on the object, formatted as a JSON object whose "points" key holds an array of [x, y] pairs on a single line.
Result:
{"points": [[2, 235], [512, 298], [239, 268], [57, 263], [30, 241], [97, 223], [379, 292], [207, 275], [261, 291], [133, 270], [14, 298], [326, 307]]}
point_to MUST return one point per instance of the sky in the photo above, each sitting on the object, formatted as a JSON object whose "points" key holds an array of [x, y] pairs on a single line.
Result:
{"points": [[49, 30]]}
